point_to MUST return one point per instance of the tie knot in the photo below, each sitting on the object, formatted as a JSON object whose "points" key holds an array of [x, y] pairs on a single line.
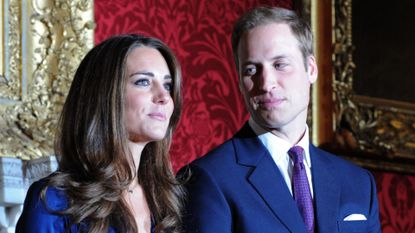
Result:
{"points": [[296, 153]]}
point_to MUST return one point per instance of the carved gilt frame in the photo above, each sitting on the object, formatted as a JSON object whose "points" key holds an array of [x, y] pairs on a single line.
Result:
{"points": [[42, 44], [374, 133]]}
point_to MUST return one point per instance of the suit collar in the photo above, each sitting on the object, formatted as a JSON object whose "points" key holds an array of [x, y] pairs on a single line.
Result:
{"points": [[249, 150], [266, 179], [270, 185]]}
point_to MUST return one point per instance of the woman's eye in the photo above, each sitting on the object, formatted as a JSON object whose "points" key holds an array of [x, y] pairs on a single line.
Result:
{"points": [[142, 82], [168, 86]]}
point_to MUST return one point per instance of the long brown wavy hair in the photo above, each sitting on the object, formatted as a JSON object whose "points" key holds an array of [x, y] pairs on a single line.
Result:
{"points": [[91, 145]]}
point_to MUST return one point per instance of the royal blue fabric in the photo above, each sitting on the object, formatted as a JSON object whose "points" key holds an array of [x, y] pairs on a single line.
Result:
{"points": [[36, 217]]}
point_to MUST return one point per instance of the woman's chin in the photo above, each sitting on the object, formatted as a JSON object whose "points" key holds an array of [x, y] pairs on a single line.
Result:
{"points": [[146, 138]]}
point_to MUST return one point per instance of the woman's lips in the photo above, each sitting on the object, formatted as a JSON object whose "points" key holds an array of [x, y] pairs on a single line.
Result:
{"points": [[158, 116]]}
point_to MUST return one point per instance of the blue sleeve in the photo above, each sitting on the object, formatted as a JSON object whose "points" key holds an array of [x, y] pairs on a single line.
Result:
{"points": [[206, 208], [36, 217]]}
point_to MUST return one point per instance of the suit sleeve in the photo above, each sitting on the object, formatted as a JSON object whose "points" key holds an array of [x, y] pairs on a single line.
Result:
{"points": [[206, 208], [374, 223], [35, 217]]}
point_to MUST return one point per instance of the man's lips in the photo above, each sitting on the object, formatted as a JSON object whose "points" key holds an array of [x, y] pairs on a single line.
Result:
{"points": [[268, 103]]}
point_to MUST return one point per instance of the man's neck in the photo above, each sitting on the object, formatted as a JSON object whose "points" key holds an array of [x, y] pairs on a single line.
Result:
{"points": [[290, 134]]}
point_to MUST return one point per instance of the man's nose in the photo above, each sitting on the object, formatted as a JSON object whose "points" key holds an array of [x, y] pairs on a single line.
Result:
{"points": [[266, 80]]}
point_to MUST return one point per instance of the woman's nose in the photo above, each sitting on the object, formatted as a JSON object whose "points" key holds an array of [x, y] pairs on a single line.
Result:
{"points": [[161, 95]]}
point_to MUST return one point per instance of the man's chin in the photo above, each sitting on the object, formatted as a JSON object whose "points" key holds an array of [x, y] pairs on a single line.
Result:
{"points": [[268, 123]]}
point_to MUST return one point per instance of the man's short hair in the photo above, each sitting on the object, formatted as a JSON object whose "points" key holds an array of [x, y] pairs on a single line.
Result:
{"points": [[265, 15]]}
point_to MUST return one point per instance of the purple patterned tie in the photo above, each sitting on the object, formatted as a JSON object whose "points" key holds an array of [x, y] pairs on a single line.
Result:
{"points": [[301, 188]]}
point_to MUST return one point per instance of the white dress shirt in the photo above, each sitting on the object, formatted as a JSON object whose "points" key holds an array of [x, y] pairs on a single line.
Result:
{"points": [[278, 148]]}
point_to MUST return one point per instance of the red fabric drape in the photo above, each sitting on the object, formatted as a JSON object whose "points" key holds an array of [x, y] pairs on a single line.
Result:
{"points": [[199, 33]]}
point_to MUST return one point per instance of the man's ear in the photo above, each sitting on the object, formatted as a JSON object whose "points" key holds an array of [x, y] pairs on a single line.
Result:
{"points": [[312, 69]]}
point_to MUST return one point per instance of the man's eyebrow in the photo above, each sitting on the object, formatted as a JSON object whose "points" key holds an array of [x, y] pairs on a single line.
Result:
{"points": [[279, 57], [250, 62]]}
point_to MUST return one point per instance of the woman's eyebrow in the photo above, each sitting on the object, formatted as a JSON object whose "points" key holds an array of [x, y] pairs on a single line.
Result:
{"points": [[166, 77], [142, 73]]}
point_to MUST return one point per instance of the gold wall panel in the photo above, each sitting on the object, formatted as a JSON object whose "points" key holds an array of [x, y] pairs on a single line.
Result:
{"points": [[373, 132], [43, 43], [382, 128]]}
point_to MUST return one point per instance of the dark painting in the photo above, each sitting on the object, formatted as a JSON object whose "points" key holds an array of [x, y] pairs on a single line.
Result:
{"points": [[384, 39]]}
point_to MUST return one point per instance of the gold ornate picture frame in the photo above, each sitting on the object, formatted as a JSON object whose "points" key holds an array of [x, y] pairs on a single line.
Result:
{"points": [[42, 45], [372, 132]]}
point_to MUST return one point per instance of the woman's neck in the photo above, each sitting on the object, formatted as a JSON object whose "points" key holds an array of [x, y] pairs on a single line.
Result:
{"points": [[135, 195], [136, 150]]}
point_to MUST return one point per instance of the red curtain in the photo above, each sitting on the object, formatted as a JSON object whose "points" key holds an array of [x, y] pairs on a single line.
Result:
{"points": [[199, 33]]}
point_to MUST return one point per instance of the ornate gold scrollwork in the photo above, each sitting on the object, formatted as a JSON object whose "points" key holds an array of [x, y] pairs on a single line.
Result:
{"points": [[383, 128], [45, 41]]}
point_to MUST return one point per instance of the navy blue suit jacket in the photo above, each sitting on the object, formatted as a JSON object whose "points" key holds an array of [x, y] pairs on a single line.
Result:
{"points": [[238, 188]]}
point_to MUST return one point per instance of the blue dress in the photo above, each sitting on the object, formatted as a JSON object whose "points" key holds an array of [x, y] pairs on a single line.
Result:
{"points": [[36, 218]]}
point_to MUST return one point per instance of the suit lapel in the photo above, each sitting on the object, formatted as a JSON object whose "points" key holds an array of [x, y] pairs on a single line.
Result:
{"points": [[267, 180], [326, 192], [270, 185]]}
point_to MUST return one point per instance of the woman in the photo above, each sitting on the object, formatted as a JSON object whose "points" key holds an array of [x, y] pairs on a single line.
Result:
{"points": [[115, 132]]}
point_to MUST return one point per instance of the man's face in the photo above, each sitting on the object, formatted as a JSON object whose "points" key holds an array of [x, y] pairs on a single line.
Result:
{"points": [[273, 80]]}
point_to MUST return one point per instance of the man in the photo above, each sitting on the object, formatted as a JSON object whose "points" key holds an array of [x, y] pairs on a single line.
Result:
{"points": [[268, 177]]}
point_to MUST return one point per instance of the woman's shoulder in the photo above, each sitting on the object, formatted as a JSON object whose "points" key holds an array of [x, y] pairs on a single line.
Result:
{"points": [[55, 198], [38, 214]]}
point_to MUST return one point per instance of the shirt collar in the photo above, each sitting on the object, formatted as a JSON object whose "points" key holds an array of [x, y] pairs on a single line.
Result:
{"points": [[278, 145]]}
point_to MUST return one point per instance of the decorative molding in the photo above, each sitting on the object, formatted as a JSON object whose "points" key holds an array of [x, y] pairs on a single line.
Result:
{"points": [[39, 63], [15, 178], [381, 132], [38, 168], [12, 185], [321, 98]]}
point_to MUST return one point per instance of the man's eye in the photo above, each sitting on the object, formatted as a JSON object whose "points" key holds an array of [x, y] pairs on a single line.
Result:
{"points": [[142, 82], [280, 65], [249, 71]]}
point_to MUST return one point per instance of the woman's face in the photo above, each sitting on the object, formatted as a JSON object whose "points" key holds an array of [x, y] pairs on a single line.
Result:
{"points": [[148, 102]]}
